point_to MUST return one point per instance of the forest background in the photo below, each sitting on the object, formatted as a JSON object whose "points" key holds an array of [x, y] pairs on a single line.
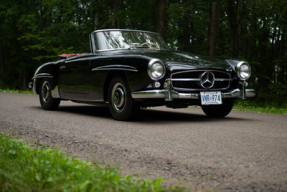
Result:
{"points": [[33, 32]]}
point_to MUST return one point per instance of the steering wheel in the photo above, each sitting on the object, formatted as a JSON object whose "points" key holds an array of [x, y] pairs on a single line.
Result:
{"points": [[155, 45]]}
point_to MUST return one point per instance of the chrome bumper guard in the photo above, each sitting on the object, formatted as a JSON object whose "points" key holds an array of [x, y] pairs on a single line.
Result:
{"points": [[169, 94]]}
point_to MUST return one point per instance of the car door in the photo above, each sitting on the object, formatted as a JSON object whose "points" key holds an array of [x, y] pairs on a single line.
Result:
{"points": [[75, 77]]}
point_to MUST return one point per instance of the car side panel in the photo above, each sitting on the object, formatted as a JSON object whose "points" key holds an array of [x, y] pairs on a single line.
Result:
{"points": [[95, 72], [75, 77], [134, 68], [74, 80]]}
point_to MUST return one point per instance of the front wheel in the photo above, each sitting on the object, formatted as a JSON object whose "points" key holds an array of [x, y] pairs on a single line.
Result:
{"points": [[121, 104], [46, 99], [218, 110]]}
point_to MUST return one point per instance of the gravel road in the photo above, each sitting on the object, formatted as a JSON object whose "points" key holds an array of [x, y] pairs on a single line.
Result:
{"points": [[243, 152]]}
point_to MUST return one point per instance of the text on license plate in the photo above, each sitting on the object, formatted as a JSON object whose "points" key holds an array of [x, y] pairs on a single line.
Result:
{"points": [[211, 98]]}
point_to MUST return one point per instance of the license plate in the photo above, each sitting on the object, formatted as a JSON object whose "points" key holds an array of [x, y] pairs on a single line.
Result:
{"points": [[211, 98]]}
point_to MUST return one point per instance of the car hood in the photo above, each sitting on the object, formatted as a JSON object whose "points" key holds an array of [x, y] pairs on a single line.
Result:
{"points": [[176, 60]]}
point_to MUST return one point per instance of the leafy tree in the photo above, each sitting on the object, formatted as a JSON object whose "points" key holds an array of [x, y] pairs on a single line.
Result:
{"points": [[36, 31]]}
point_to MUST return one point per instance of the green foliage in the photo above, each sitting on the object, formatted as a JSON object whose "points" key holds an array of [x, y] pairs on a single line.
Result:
{"points": [[278, 89], [16, 91], [33, 32], [261, 107], [25, 169]]}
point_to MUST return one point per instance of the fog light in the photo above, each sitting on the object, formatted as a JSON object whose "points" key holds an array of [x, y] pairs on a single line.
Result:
{"points": [[157, 84]]}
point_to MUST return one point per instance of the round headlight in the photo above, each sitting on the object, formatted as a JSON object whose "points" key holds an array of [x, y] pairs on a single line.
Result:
{"points": [[156, 69], [243, 70]]}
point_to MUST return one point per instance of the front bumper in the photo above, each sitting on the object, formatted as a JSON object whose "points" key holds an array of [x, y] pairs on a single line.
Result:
{"points": [[168, 94]]}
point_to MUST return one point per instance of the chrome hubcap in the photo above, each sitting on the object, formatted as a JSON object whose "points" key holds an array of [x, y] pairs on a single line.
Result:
{"points": [[118, 97], [45, 91]]}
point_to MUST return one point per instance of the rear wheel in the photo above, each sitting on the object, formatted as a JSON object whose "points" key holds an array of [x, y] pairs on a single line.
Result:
{"points": [[218, 110], [122, 106], [46, 99]]}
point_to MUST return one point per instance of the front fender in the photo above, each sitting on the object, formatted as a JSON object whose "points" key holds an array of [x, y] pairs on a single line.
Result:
{"points": [[50, 71]]}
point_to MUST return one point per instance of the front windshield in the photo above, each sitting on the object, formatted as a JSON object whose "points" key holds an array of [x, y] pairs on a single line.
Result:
{"points": [[128, 40]]}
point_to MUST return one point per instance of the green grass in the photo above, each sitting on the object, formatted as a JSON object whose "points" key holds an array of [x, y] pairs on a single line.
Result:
{"points": [[28, 91], [261, 107], [24, 169]]}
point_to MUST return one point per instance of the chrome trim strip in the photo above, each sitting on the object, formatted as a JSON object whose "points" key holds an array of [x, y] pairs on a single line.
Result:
{"points": [[34, 85], [184, 89], [116, 67], [194, 79], [123, 69], [250, 93], [43, 75], [203, 70], [103, 30], [85, 100], [165, 94], [186, 79], [222, 79], [149, 94], [168, 92], [71, 59]]}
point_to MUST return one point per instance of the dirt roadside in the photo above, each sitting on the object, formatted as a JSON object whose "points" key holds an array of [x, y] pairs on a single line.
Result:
{"points": [[244, 152]]}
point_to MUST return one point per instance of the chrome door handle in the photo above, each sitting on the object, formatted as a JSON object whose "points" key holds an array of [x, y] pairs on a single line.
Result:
{"points": [[62, 67]]}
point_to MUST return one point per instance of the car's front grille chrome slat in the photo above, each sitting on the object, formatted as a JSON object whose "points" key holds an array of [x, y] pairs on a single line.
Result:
{"points": [[185, 79], [223, 80], [200, 80]]}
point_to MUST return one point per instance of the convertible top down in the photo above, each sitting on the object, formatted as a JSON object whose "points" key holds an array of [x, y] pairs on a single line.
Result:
{"points": [[129, 69]]}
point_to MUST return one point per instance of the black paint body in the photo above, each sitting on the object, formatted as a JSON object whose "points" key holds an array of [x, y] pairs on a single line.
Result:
{"points": [[86, 77]]}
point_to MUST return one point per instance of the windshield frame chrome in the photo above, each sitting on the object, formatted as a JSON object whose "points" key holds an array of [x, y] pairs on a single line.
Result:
{"points": [[93, 40]]}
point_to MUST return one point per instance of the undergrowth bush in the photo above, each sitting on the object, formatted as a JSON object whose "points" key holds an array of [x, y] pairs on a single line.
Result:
{"points": [[28, 91], [24, 169], [261, 106]]}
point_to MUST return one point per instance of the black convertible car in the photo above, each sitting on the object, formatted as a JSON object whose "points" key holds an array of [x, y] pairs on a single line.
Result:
{"points": [[129, 69]]}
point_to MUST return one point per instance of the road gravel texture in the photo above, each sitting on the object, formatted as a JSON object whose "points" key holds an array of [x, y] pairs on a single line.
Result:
{"points": [[242, 152]]}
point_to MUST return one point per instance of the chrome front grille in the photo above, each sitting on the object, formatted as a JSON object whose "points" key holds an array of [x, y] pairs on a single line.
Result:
{"points": [[199, 80]]}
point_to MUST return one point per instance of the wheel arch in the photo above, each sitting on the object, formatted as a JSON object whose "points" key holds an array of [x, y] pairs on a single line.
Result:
{"points": [[54, 84], [108, 79], [47, 70]]}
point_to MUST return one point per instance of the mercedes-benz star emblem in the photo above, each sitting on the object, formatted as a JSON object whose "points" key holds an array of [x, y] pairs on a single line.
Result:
{"points": [[207, 80]]}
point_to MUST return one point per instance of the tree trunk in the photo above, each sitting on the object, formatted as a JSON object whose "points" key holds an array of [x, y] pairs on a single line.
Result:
{"points": [[1, 61], [126, 3], [213, 29], [266, 68], [234, 27], [186, 30], [96, 21], [252, 40], [161, 18], [24, 80], [115, 21]]}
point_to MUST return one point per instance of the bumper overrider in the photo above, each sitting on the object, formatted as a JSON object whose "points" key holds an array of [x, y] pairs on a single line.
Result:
{"points": [[168, 94]]}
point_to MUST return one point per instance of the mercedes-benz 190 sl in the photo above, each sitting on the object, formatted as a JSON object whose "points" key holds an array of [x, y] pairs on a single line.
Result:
{"points": [[132, 69]]}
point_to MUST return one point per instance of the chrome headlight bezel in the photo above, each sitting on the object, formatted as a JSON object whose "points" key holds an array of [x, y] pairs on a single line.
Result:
{"points": [[152, 70], [241, 71]]}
